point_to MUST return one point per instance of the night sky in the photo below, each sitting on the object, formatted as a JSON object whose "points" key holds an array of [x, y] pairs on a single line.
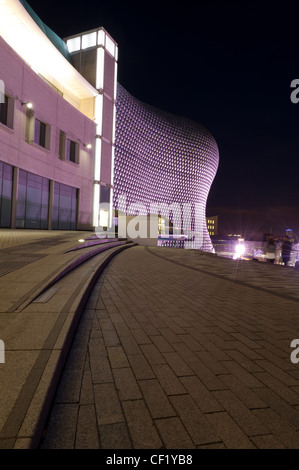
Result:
{"points": [[226, 64]]}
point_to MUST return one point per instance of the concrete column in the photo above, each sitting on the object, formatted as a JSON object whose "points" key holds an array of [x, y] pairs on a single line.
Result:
{"points": [[14, 197], [51, 199]]}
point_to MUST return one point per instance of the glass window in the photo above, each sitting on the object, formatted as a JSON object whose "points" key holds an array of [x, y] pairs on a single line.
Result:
{"points": [[105, 195], [6, 178], [3, 110], [40, 133], [71, 151], [64, 207], [33, 201]]}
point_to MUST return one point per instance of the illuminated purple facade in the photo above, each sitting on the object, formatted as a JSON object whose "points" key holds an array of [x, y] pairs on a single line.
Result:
{"points": [[162, 158]]}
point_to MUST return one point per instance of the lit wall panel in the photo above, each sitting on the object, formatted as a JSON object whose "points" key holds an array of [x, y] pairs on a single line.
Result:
{"points": [[163, 159]]}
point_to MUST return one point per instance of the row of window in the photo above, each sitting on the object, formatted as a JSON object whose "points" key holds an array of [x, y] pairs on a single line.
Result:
{"points": [[33, 206], [40, 132]]}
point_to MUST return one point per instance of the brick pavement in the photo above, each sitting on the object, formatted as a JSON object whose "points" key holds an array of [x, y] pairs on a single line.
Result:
{"points": [[45, 279], [178, 349]]}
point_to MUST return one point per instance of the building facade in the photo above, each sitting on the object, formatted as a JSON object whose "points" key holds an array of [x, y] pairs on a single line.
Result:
{"points": [[74, 144]]}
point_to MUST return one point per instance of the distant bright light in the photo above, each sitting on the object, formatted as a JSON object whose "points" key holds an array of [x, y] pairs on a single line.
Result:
{"points": [[29, 105], [240, 250], [81, 240]]}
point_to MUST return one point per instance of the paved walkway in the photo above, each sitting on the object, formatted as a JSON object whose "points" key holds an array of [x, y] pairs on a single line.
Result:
{"points": [[179, 349], [45, 280]]}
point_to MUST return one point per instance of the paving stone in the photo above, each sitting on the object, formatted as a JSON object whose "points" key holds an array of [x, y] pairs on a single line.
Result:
{"points": [[229, 432], [156, 400], [152, 354], [289, 413], [100, 368], [86, 393], [245, 377], [205, 400], [117, 357], [267, 441], [114, 436], [240, 413], [126, 384], [168, 380], [161, 344], [141, 428], [287, 393], [173, 434], [277, 372], [107, 404], [177, 364], [141, 367], [211, 381], [130, 345], [193, 419], [279, 428], [250, 399], [87, 435]]}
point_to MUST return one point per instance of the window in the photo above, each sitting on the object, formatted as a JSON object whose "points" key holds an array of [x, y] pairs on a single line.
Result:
{"points": [[33, 201], [70, 151], [40, 133], [65, 199], [3, 111], [37, 132], [6, 111], [6, 181]]}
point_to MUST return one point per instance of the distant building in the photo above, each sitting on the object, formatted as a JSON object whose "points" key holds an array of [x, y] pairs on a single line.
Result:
{"points": [[212, 225]]}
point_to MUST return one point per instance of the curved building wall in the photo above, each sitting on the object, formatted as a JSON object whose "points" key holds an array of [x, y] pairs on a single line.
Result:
{"points": [[161, 158]]}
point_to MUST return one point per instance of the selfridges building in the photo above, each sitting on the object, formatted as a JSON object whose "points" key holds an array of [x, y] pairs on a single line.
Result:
{"points": [[163, 161]]}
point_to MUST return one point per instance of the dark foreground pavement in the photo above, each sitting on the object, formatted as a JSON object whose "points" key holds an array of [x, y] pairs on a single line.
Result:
{"points": [[178, 349]]}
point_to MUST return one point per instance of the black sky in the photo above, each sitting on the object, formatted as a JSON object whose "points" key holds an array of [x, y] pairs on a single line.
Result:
{"points": [[226, 64]]}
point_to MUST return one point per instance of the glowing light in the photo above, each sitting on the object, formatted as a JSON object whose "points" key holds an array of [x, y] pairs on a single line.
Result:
{"points": [[97, 162], [99, 112], [96, 204], [81, 240], [100, 68], [101, 38], [239, 249], [29, 105], [110, 46], [74, 44], [89, 40]]}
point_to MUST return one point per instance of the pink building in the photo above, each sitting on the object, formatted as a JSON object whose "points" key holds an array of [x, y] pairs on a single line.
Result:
{"points": [[56, 126]]}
